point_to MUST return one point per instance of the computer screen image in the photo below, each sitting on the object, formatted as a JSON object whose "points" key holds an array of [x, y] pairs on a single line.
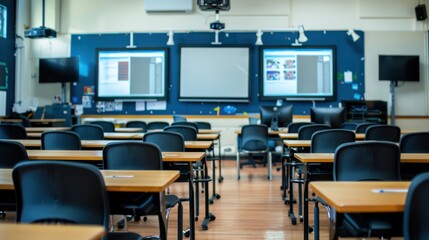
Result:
{"points": [[132, 73], [298, 73], [275, 117], [330, 116]]}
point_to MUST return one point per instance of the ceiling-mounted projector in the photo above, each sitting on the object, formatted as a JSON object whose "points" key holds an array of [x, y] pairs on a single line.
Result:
{"points": [[214, 5], [42, 31]]}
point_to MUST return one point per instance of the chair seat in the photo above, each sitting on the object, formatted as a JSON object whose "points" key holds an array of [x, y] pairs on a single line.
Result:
{"points": [[367, 225]]}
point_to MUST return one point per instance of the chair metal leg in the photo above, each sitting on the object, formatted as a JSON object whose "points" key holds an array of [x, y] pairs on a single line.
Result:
{"points": [[238, 165], [270, 166]]}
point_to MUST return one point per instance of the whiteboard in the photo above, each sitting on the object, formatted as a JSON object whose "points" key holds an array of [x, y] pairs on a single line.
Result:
{"points": [[214, 74]]}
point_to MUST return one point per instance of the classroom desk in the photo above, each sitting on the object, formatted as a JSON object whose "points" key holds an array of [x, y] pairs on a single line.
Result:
{"points": [[97, 155], [142, 181], [99, 144], [22, 231], [359, 136], [363, 200], [270, 132], [46, 121], [308, 158]]}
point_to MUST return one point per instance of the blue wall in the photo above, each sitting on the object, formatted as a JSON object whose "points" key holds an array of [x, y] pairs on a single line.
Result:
{"points": [[350, 57], [7, 53]]}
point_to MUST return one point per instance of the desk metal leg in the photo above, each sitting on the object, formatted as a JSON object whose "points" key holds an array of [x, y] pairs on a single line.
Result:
{"points": [[191, 202], [213, 166], [220, 179], [162, 217], [290, 178], [306, 228], [208, 216]]}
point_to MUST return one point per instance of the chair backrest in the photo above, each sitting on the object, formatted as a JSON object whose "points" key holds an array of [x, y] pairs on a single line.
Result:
{"points": [[415, 142], [349, 125], [188, 133], [157, 125], [203, 125], [60, 192], [88, 131], [307, 131], [361, 127], [367, 161], [293, 127], [383, 133], [132, 156], [106, 125], [327, 141], [178, 118], [137, 124], [11, 153], [189, 124], [12, 131], [416, 210], [166, 141], [254, 137], [60, 140]]}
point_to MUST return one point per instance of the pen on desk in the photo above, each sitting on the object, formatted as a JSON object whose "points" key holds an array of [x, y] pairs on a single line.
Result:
{"points": [[401, 190], [120, 176]]}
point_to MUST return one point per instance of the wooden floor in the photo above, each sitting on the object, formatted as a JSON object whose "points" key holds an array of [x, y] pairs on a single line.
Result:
{"points": [[251, 208]]}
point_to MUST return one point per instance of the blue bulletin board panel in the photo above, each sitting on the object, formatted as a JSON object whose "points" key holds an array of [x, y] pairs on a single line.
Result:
{"points": [[349, 76]]}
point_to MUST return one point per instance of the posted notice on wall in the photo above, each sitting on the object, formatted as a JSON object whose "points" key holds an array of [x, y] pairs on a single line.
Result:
{"points": [[2, 103]]}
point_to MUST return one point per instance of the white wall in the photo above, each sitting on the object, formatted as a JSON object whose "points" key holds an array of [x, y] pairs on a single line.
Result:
{"points": [[390, 26]]}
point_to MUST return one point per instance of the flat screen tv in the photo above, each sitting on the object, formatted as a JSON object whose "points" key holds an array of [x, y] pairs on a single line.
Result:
{"points": [[59, 70], [399, 68], [330, 116], [132, 73], [214, 74], [298, 73], [275, 117]]}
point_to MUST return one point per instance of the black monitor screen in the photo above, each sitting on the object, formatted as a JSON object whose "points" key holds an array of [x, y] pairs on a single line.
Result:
{"points": [[398, 68], [330, 116], [281, 116], [58, 70]]}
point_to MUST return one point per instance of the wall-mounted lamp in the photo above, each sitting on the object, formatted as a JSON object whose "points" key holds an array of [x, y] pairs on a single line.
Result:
{"points": [[170, 41], [354, 35], [259, 38], [302, 38]]}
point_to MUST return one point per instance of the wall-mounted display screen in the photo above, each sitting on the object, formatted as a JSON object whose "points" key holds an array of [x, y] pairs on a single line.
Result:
{"points": [[58, 70], [132, 73], [214, 73], [298, 73], [398, 68]]}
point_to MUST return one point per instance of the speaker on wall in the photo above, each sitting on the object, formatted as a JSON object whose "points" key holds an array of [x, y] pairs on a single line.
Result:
{"points": [[421, 13]]}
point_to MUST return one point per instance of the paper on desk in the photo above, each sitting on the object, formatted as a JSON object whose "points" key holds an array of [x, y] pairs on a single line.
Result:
{"points": [[390, 190]]}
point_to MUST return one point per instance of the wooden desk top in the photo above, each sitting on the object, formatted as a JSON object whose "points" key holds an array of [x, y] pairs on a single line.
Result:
{"points": [[16, 231], [97, 155], [363, 199], [297, 143], [270, 132], [359, 136], [209, 131], [329, 157], [45, 120], [43, 129], [140, 181], [36, 143]]}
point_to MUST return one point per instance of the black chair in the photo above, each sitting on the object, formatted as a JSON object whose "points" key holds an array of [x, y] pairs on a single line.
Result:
{"points": [[12, 153], [293, 127], [361, 127], [88, 131], [63, 193], [12, 131], [368, 161], [306, 132], [138, 156], [349, 125], [203, 125], [254, 140], [106, 125], [188, 133], [166, 141], [136, 124], [189, 124], [327, 141], [383, 133], [416, 210], [414, 142], [61, 140], [157, 125], [178, 118]]}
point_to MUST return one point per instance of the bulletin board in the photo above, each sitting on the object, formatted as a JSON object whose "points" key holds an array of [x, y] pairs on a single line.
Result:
{"points": [[350, 70]]}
